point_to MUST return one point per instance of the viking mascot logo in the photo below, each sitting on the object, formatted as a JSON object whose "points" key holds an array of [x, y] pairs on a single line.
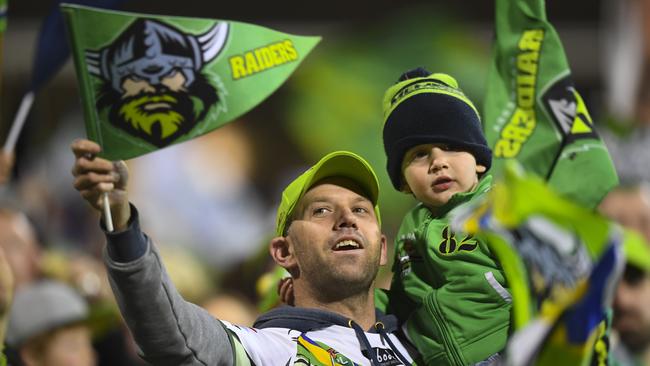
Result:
{"points": [[153, 85]]}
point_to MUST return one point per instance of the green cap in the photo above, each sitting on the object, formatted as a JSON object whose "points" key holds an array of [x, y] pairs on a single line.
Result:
{"points": [[336, 164]]}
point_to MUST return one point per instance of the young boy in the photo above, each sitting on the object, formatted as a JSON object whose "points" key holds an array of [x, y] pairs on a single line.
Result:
{"points": [[447, 289]]}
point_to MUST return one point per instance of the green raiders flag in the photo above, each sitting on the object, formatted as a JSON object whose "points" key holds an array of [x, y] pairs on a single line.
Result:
{"points": [[151, 81], [533, 112]]}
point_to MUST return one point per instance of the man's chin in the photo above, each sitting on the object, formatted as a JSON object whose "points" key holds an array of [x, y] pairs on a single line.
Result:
{"points": [[354, 276], [634, 340]]}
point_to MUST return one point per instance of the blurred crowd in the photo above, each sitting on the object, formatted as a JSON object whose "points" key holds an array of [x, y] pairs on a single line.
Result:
{"points": [[55, 301]]}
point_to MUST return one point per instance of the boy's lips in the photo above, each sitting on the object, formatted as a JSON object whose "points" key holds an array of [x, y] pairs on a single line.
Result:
{"points": [[442, 183]]}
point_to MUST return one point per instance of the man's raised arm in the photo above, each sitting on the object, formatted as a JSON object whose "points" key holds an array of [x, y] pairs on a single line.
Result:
{"points": [[168, 329]]}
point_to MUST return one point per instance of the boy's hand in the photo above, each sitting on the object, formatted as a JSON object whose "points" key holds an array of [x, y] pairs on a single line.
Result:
{"points": [[95, 176], [285, 290]]}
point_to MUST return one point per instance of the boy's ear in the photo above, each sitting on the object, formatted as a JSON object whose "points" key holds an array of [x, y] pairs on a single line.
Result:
{"points": [[282, 253], [480, 168]]}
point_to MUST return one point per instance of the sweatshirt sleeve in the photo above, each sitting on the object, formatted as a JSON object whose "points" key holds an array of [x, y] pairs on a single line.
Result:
{"points": [[167, 329]]}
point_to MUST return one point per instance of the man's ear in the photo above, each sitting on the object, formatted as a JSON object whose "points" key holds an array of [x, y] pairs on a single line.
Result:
{"points": [[383, 257], [480, 168], [282, 253]]}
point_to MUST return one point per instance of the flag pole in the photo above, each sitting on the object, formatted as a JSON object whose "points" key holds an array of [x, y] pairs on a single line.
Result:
{"points": [[108, 219], [19, 122]]}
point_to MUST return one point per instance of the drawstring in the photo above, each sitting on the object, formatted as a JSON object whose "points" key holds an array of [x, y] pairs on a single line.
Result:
{"points": [[380, 328], [361, 336]]}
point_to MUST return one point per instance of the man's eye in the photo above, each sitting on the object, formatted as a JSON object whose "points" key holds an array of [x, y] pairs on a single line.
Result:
{"points": [[360, 210], [319, 211]]}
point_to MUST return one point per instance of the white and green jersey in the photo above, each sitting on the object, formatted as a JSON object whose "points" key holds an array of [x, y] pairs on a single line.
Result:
{"points": [[332, 345]]}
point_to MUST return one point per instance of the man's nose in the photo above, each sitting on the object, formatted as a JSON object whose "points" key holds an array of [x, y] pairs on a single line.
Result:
{"points": [[346, 219], [625, 295]]}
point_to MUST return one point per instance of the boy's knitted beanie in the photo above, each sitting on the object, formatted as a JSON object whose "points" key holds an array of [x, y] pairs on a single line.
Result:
{"points": [[429, 108]]}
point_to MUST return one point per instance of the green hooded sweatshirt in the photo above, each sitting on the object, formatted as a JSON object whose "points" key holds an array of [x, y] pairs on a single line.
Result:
{"points": [[448, 288]]}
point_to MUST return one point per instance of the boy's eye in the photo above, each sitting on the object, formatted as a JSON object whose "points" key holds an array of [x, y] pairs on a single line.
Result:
{"points": [[420, 154]]}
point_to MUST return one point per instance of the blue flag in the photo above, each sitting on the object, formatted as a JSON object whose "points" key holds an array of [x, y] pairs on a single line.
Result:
{"points": [[52, 49]]}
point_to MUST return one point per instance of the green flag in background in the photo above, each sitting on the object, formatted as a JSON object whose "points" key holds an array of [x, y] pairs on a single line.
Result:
{"points": [[534, 114], [151, 81]]}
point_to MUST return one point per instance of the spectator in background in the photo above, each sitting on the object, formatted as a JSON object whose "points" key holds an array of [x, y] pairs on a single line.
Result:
{"points": [[47, 326], [28, 263], [231, 308], [18, 239], [627, 79], [207, 203], [632, 318], [627, 136], [6, 297]]}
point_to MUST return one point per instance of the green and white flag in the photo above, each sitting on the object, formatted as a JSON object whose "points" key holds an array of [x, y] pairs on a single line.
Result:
{"points": [[533, 112], [150, 81]]}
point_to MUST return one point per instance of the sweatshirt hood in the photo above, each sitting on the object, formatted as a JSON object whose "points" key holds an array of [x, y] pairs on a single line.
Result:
{"points": [[307, 319]]}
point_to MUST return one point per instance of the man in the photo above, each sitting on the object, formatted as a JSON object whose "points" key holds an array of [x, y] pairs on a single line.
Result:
{"points": [[20, 244], [328, 238], [632, 311], [47, 326]]}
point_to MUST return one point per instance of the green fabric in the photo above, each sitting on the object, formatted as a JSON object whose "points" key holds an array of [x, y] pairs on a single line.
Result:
{"points": [[533, 113], [246, 65], [454, 316], [241, 357]]}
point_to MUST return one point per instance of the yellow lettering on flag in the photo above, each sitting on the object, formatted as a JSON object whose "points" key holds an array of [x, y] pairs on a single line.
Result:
{"points": [[262, 59]]}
